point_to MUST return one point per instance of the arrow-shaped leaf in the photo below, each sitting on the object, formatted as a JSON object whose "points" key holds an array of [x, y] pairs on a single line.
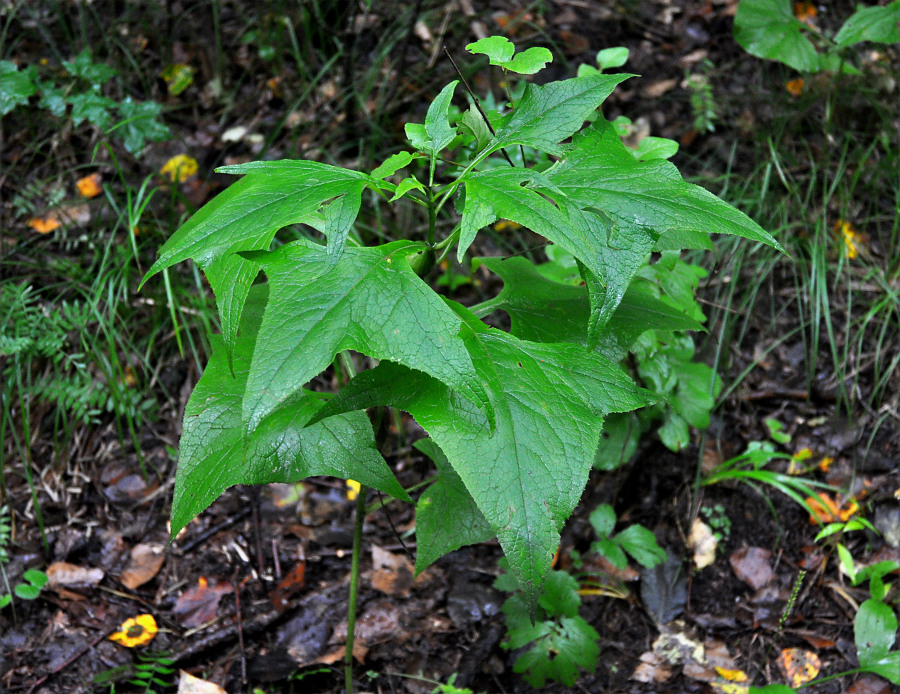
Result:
{"points": [[246, 216], [526, 477], [370, 301], [283, 448]]}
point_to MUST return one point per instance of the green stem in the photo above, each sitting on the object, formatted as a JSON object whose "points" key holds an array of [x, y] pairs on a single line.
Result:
{"points": [[354, 587], [486, 308]]}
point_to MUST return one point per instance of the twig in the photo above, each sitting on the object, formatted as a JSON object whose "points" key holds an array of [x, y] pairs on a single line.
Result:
{"points": [[477, 103], [240, 627], [205, 535]]}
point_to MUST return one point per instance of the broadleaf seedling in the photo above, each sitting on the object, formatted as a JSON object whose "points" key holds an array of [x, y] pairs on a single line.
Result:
{"points": [[517, 418]]}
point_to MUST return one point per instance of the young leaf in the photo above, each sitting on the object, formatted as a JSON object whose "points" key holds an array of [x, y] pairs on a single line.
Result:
{"points": [[560, 649], [498, 49], [15, 85], [437, 132], [282, 449], [529, 61], [92, 107], [246, 216], [83, 66], [526, 478], [603, 518], [769, 29], [392, 164], [370, 301], [140, 124], [641, 544], [446, 516], [878, 24], [612, 57]]}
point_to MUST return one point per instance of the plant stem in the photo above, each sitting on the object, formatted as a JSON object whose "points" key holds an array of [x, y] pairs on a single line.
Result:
{"points": [[354, 587]]}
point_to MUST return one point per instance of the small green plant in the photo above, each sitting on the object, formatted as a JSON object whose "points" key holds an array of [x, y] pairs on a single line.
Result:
{"points": [[558, 642], [79, 93], [151, 670], [703, 102], [33, 579], [770, 29], [749, 468], [717, 519], [517, 415], [635, 541]]}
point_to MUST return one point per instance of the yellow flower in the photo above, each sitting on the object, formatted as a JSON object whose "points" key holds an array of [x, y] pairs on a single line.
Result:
{"points": [[136, 631], [795, 87], [180, 168], [850, 236], [353, 488]]}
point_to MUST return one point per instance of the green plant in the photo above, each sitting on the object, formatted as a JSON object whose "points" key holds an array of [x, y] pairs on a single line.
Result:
{"points": [[874, 629], [769, 29], [749, 468], [516, 415], [557, 641], [717, 518], [81, 90], [703, 102], [151, 670], [636, 541], [34, 580]]}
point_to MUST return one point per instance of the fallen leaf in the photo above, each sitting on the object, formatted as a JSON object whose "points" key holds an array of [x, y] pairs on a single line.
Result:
{"points": [[730, 681], [145, 562], [392, 574], [703, 543], [75, 215], [198, 605], [188, 684], [90, 186], [799, 666], [657, 89], [795, 87], [869, 684], [177, 77], [651, 669], [180, 168], [62, 576], [136, 631], [288, 586], [751, 565]]}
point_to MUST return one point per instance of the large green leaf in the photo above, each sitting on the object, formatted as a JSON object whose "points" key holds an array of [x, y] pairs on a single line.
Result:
{"points": [[370, 301], [282, 449], [446, 516], [769, 29], [526, 477], [877, 24], [632, 207], [544, 310], [246, 216], [875, 629], [547, 115], [15, 85]]}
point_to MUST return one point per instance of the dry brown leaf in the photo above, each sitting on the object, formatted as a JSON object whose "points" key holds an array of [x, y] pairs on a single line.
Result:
{"points": [[145, 562], [62, 575], [703, 544], [392, 573], [198, 605], [751, 565], [657, 89], [188, 684]]}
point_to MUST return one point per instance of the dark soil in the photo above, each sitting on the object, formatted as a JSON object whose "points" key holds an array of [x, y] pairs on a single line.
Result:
{"points": [[280, 557]]}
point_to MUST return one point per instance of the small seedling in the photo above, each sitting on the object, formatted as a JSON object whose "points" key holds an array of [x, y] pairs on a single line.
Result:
{"points": [[635, 541]]}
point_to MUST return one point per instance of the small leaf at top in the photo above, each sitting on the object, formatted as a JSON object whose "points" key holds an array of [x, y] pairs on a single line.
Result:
{"points": [[529, 61], [437, 125], [498, 49], [83, 66], [612, 57]]}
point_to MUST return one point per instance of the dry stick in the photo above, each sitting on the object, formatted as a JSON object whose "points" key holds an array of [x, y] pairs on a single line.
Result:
{"points": [[204, 536], [477, 103]]}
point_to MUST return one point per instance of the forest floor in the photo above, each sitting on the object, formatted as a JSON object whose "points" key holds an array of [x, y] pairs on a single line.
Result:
{"points": [[252, 595]]}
